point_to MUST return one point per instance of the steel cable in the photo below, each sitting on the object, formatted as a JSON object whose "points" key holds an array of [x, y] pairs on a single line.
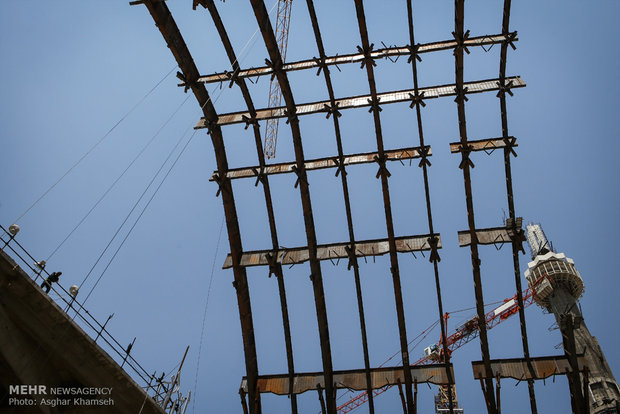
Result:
{"points": [[204, 316], [148, 144], [145, 207], [135, 205], [95, 145]]}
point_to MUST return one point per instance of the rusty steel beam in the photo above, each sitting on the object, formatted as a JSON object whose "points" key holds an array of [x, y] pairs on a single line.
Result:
{"points": [[508, 152], [334, 251], [262, 18], [342, 161], [277, 269], [339, 162], [351, 379], [169, 30], [136, 2], [434, 257], [488, 145], [492, 235], [488, 40], [374, 101], [460, 35], [363, 101], [517, 368]]}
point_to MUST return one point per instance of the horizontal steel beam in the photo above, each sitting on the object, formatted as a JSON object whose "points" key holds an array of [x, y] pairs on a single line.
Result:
{"points": [[364, 101], [336, 251], [356, 58], [488, 145], [352, 379], [328, 162], [494, 235], [136, 2], [517, 368]]}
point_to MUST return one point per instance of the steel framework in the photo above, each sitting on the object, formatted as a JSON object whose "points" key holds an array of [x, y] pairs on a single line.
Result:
{"points": [[328, 380]]}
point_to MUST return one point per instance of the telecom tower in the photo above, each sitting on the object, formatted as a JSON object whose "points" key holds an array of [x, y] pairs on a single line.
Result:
{"points": [[558, 286]]}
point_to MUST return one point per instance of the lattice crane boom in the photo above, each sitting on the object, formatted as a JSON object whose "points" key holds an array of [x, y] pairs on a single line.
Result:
{"points": [[283, 22], [463, 334]]}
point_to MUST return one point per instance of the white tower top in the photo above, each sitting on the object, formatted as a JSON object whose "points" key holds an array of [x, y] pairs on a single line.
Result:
{"points": [[536, 238], [549, 270]]}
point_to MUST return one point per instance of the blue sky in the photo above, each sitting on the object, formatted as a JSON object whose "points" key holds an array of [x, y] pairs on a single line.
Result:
{"points": [[71, 71]]}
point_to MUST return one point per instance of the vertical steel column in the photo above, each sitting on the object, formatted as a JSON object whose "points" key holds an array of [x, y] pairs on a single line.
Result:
{"points": [[168, 28], [335, 114], [262, 17], [498, 389], [383, 173], [415, 397], [264, 180], [244, 404], [567, 327], [402, 397], [459, 34], [424, 164], [517, 233], [321, 400]]}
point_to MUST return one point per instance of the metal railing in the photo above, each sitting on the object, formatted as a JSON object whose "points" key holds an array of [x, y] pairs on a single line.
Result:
{"points": [[89, 323]]}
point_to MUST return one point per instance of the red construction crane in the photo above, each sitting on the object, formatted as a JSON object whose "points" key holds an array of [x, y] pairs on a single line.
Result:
{"points": [[463, 334], [283, 22]]}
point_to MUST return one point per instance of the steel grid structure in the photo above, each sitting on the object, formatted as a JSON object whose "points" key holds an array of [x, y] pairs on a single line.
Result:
{"points": [[368, 378]]}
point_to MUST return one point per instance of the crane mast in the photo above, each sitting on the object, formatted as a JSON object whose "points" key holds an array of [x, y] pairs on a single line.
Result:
{"points": [[283, 22], [442, 400]]}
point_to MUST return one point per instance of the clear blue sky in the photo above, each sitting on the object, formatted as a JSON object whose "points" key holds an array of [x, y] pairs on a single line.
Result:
{"points": [[71, 71]]}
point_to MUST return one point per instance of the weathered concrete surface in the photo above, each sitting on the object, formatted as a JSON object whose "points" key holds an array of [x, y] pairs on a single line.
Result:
{"points": [[41, 345]]}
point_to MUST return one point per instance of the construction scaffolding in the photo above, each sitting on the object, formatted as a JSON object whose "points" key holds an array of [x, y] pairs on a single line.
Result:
{"points": [[368, 378]]}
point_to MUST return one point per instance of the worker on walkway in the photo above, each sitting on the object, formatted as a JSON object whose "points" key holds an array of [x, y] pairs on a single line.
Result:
{"points": [[47, 283]]}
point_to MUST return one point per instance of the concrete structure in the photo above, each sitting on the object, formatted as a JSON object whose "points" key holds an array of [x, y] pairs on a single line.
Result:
{"points": [[558, 286], [40, 346]]}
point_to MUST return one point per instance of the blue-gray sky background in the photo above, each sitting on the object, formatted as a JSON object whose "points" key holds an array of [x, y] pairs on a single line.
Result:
{"points": [[71, 70]]}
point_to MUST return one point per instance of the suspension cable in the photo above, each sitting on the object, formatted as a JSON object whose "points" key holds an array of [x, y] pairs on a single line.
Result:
{"points": [[135, 205], [95, 145], [148, 144], [145, 207], [204, 316]]}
